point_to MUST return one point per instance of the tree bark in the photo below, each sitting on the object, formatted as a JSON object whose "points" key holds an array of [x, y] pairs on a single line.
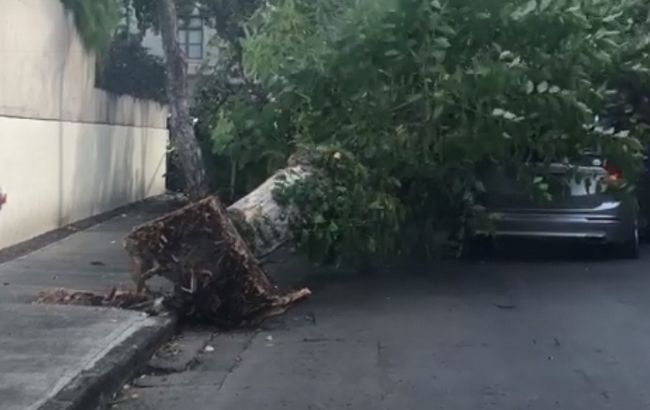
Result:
{"points": [[181, 127], [263, 222], [211, 254]]}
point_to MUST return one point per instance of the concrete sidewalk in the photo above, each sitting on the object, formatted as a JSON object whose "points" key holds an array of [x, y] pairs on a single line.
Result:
{"points": [[69, 357]]}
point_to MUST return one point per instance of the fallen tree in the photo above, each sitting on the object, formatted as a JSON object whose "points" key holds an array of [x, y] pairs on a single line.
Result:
{"points": [[210, 254], [417, 98], [425, 96]]}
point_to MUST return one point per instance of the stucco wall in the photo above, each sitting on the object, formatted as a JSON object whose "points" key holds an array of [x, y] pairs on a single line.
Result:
{"points": [[67, 150], [46, 73]]}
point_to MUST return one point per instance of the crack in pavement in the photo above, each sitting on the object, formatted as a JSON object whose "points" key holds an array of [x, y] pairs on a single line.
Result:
{"points": [[238, 360]]}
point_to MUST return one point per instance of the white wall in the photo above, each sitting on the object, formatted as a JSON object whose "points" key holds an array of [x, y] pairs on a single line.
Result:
{"points": [[57, 172], [67, 150]]}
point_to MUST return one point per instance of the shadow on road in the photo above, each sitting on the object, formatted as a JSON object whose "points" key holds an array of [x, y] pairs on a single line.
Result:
{"points": [[548, 251]]}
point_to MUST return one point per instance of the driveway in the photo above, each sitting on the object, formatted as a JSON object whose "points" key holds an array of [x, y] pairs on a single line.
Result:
{"points": [[550, 332]]}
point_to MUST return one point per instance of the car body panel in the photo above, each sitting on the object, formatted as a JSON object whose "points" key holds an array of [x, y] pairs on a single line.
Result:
{"points": [[585, 210]]}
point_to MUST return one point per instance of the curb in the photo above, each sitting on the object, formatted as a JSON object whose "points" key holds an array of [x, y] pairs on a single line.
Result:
{"points": [[93, 388]]}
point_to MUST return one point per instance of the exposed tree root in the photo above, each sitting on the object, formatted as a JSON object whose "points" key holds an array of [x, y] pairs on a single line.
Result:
{"points": [[215, 274]]}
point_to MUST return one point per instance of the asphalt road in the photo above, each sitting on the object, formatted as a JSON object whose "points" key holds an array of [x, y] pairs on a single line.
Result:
{"points": [[541, 331]]}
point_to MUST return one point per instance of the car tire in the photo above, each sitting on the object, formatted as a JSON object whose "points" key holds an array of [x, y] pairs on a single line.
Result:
{"points": [[630, 249]]}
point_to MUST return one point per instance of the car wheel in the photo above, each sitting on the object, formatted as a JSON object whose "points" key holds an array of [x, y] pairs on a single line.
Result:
{"points": [[630, 249]]}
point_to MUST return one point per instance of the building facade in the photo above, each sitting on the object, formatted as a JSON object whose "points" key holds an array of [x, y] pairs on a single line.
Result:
{"points": [[194, 38]]}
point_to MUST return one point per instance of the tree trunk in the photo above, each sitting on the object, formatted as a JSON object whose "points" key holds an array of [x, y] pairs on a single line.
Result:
{"points": [[263, 222], [182, 130], [200, 249]]}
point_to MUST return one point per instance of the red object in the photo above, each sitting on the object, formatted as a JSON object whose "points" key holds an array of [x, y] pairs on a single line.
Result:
{"points": [[614, 174]]}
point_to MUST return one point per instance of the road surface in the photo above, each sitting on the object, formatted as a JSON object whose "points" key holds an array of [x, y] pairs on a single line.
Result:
{"points": [[536, 332]]}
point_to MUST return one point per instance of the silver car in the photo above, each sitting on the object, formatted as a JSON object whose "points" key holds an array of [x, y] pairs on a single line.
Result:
{"points": [[582, 212]]}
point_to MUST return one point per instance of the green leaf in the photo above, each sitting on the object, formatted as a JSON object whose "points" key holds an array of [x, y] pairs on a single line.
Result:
{"points": [[414, 97], [530, 87], [612, 17], [447, 30], [520, 13], [376, 205], [515, 62], [506, 55], [542, 87], [442, 42], [437, 111], [544, 4]]}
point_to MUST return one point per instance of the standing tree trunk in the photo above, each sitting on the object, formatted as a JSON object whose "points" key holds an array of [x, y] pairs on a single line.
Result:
{"points": [[182, 130]]}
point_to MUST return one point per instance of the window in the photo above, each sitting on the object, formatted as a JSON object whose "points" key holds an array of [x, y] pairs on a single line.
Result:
{"points": [[190, 37]]}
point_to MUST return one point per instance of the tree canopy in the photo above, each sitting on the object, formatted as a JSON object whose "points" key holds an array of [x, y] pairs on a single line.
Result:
{"points": [[402, 104], [405, 102]]}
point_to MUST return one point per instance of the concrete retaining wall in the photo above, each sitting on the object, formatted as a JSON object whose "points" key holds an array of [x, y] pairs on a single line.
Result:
{"points": [[67, 150]]}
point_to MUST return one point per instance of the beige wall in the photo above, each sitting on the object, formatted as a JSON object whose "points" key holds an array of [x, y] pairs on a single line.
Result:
{"points": [[67, 150], [46, 73]]}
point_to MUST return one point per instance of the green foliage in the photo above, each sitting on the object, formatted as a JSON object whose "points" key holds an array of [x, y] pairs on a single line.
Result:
{"points": [[236, 164], [350, 229], [96, 20], [420, 96], [253, 138], [129, 69]]}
